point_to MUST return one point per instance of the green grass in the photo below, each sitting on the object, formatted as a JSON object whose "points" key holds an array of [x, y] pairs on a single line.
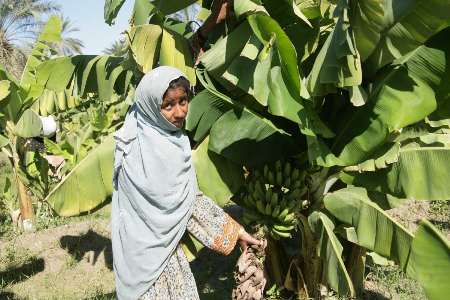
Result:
{"points": [[440, 215], [16, 264], [393, 283]]}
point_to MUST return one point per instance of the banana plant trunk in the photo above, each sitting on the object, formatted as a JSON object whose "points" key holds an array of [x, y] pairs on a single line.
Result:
{"points": [[26, 207], [275, 261]]}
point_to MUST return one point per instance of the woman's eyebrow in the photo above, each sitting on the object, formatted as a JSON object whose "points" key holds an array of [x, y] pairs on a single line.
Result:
{"points": [[168, 101]]}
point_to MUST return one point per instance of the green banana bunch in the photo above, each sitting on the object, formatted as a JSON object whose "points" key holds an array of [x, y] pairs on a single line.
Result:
{"points": [[260, 206], [250, 217], [281, 231], [61, 99], [274, 197], [45, 105], [287, 169], [50, 104], [260, 189], [270, 177], [269, 194], [282, 174]]}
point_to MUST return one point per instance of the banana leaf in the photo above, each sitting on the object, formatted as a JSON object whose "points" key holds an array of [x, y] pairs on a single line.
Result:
{"points": [[403, 99], [375, 229], [152, 45], [166, 7], [11, 106], [405, 94], [367, 21], [257, 58], [285, 12], [144, 41], [4, 141], [259, 131], [440, 117], [29, 125], [83, 74], [243, 8], [299, 20], [386, 30], [218, 177], [141, 12], [421, 173], [330, 250], [112, 8], [88, 185], [50, 34], [204, 110], [175, 51], [4, 89], [338, 63], [248, 139], [431, 260]]}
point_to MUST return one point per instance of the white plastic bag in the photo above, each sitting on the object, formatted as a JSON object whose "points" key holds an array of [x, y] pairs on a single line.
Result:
{"points": [[48, 126]]}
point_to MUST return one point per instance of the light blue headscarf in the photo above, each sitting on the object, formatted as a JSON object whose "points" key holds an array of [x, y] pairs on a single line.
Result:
{"points": [[154, 188]]}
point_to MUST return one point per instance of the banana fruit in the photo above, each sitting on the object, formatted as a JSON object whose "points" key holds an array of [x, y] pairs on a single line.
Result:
{"points": [[274, 196]]}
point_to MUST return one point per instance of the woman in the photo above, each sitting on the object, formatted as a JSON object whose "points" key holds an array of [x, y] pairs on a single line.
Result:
{"points": [[156, 197]]}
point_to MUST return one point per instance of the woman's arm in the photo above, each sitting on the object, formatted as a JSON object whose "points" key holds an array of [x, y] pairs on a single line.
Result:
{"points": [[220, 11], [216, 229]]}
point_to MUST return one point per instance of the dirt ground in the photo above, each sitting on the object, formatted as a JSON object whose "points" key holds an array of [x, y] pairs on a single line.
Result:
{"points": [[74, 261]]}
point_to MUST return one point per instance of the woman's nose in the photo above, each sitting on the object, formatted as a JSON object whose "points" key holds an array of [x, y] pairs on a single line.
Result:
{"points": [[180, 112]]}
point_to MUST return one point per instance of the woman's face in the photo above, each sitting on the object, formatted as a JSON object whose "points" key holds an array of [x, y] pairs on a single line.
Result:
{"points": [[175, 106]]}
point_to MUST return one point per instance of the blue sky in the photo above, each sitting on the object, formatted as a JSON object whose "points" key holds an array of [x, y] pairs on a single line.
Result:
{"points": [[87, 15]]}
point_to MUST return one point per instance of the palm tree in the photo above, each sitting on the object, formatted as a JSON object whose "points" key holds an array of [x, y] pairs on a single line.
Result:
{"points": [[117, 48], [68, 45], [19, 21]]}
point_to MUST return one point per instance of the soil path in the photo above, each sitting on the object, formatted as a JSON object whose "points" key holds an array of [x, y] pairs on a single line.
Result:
{"points": [[72, 261]]}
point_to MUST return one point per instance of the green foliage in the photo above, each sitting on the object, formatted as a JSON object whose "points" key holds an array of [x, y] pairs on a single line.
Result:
{"points": [[420, 173], [330, 250], [29, 125], [354, 92], [42, 50], [77, 192], [375, 229], [224, 177], [143, 9], [431, 261]]}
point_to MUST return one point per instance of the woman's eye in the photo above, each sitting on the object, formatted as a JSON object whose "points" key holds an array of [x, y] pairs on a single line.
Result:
{"points": [[167, 107]]}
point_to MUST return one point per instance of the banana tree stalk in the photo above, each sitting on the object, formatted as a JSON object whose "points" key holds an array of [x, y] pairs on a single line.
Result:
{"points": [[26, 206], [274, 262]]}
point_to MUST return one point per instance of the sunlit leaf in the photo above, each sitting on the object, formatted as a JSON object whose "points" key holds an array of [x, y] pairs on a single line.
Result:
{"points": [[375, 229], [29, 125], [330, 250], [431, 260], [419, 173], [88, 185], [218, 178]]}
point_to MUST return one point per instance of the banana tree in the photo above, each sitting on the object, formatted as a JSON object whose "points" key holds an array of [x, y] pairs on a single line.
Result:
{"points": [[336, 110], [18, 122]]}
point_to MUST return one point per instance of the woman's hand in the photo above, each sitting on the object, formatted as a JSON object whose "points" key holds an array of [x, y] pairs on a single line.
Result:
{"points": [[246, 240]]}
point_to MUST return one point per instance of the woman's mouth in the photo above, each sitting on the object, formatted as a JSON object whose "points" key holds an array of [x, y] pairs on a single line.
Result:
{"points": [[178, 123]]}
